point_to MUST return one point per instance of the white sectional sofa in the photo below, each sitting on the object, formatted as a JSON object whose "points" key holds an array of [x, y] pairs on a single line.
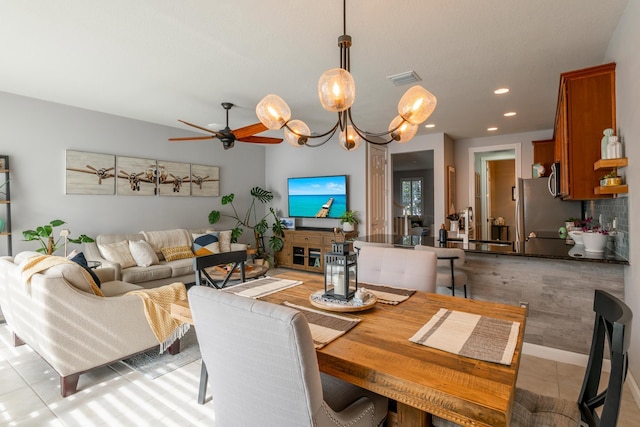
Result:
{"points": [[145, 270], [74, 330]]}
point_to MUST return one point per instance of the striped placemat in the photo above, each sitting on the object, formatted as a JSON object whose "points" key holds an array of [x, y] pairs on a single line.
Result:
{"points": [[325, 327], [470, 335], [388, 294], [261, 287]]}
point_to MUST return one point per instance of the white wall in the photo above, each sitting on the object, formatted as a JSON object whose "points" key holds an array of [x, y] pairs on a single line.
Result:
{"points": [[36, 134], [285, 161], [623, 50]]}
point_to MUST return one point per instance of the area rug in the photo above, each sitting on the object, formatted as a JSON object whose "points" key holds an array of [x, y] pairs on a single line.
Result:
{"points": [[153, 365]]}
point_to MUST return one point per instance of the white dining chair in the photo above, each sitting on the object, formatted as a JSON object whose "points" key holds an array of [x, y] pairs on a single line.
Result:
{"points": [[403, 268]]}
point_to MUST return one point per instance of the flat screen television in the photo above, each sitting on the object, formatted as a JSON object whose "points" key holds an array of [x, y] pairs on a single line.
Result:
{"points": [[317, 196]]}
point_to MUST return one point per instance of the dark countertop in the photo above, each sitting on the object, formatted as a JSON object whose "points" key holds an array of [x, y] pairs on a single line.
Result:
{"points": [[534, 248]]}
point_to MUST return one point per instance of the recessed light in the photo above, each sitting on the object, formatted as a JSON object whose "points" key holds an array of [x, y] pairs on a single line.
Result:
{"points": [[430, 125], [510, 114], [501, 91], [492, 129]]}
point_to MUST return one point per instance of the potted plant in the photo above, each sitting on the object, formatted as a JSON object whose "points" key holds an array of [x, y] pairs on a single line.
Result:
{"points": [[349, 220], [594, 237], [611, 178], [250, 221], [44, 235]]}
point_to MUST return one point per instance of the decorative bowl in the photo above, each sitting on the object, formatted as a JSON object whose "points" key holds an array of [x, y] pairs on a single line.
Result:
{"points": [[576, 235], [594, 241]]}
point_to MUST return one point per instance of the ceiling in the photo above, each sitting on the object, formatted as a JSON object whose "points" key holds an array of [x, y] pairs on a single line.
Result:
{"points": [[164, 60]]}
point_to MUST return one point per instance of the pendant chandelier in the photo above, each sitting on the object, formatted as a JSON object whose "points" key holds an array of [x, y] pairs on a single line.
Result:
{"points": [[337, 92]]}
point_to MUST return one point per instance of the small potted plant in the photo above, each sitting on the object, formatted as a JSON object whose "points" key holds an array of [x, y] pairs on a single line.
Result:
{"points": [[611, 178], [349, 220], [594, 237], [48, 243]]}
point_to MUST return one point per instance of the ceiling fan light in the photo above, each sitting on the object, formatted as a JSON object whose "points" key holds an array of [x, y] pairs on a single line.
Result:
{"points": [[405, 132], [273, 112], [416, 105], [336, 90], [349, 139], [296, 133]]}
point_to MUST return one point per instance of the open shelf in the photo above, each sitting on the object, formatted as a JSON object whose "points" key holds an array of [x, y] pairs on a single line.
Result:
{"points": [[611, 189], [610, 163]]}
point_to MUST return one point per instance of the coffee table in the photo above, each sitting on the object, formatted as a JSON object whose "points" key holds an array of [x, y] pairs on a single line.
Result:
{"points": [[251, 271]]}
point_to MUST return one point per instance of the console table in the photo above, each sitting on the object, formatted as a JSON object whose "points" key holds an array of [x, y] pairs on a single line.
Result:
{"points": [[304, 247]]}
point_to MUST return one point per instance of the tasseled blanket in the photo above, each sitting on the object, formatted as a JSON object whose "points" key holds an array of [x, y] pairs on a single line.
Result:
{"points": [[39, 263], [157, 305]]}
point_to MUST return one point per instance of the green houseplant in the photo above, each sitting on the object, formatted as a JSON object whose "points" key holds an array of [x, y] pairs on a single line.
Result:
{"points": [[44, 235], [250, 221], [348, 220]]}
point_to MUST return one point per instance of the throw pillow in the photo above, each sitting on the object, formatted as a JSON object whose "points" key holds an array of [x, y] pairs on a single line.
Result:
{"points": [[80, 259], [177, 252], [206, 244], [118, 252], [143, 253], [225, 240]]}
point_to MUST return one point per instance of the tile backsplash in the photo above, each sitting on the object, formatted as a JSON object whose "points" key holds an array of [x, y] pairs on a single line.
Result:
{"points": [[617, 208]]}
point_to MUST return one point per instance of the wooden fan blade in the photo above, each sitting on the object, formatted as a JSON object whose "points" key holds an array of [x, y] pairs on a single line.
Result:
{"points": [[191, 138], [260, 140], [201, 128], [249, 130]]}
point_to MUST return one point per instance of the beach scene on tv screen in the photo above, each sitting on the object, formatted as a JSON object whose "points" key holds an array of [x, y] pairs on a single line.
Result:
{"points": [[318, 197]]}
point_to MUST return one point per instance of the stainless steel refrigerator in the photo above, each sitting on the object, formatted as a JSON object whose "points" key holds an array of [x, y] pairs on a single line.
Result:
{"points": [[539, 212]]}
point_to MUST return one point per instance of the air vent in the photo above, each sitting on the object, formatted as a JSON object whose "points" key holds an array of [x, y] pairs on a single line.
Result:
{"points": [[404, 78]]}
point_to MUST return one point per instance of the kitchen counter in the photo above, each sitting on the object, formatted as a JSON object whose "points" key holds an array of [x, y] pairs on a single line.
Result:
{"points": [[535, 248]]}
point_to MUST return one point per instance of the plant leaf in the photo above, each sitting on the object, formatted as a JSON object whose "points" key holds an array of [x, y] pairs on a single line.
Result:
{"points": [[263, 195], [214, 216], [227, 199]]}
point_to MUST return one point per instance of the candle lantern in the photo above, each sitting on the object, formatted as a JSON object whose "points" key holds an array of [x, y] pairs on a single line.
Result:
{"points": [[340, 272]]}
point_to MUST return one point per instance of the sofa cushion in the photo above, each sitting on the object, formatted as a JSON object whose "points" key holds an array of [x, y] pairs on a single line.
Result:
{"points": [[177, 252], [180, 267], [167, 239], [206, 244], [80, 259], [118, 252], [75, 276], [145, 274], [143, 253]]}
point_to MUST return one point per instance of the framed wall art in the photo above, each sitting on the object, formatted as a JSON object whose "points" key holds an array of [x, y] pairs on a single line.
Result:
{"points": [[174, 179], [90, 173], [205, 181], [136, 176]]}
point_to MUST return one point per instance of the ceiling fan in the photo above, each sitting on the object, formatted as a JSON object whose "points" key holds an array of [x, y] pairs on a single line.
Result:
{"points": [[228, 136]]}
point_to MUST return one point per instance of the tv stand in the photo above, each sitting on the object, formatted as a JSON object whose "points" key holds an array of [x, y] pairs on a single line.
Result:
{"points": [[304, 247]]}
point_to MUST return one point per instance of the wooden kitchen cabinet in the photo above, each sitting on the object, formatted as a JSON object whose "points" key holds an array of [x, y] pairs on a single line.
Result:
{"points": [[304, 248], [586, 107], [543, 153]]}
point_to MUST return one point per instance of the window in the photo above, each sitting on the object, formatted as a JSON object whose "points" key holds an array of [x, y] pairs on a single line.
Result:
{"points": [[412, 196]]}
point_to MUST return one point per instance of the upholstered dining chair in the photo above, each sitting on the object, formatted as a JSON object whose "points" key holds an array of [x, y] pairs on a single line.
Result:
{"points": [[263, 368], [612, 332], [359, 244], [450, 260], [403, 268]]}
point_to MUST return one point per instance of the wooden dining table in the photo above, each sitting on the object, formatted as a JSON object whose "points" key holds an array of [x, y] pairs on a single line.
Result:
{"points": [[378, 356]]}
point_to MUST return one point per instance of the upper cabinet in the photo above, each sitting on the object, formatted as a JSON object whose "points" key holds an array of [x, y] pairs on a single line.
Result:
{"points": [[586, 107]]}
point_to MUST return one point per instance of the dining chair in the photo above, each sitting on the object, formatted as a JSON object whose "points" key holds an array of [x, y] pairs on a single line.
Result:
{"points": [[263, 368], [359, 244], [450, 261], [204, 262], [403, 268], [612, 332]]}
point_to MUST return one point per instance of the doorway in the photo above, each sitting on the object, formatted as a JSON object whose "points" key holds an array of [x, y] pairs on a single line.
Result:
{"points": [[413, 193], [492, 190]]}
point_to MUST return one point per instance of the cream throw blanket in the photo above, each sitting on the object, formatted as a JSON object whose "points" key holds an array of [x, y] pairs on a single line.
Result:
{"points": [[40, 263], [157, 309]]}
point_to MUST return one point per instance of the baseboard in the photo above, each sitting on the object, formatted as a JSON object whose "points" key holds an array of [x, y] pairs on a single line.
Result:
{"points": [[577, 359]]}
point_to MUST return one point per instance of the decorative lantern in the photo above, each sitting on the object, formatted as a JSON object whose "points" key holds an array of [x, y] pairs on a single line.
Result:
{"points": [[340, 272]]}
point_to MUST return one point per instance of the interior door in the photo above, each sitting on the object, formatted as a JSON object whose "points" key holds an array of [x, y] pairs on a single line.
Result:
{"points": [[377, 194]]}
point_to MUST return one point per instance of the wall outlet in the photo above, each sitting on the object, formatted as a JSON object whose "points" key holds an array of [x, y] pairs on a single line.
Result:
{"points": [[524, 304]]}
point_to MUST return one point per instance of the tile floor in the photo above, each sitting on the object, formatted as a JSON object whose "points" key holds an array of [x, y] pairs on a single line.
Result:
{"points": [[119, 396]]}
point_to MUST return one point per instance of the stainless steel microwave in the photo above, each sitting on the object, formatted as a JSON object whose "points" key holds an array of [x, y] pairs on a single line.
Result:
{"points": [[554, 180]]}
